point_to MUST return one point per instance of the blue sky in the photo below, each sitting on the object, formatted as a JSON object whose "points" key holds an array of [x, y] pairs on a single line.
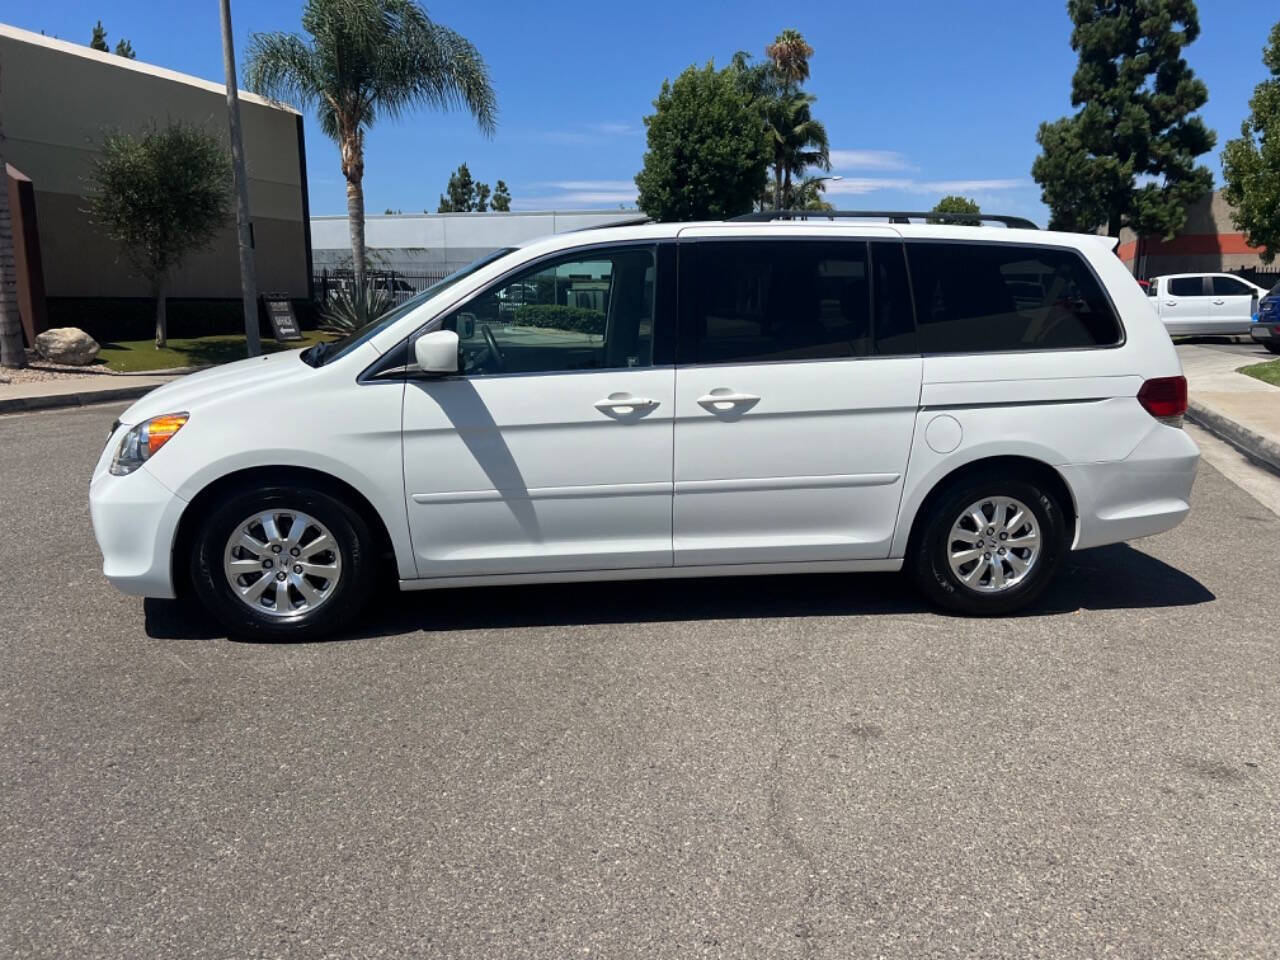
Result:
{"points": [[919, 98]]}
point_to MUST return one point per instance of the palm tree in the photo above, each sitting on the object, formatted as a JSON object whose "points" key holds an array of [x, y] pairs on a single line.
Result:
{"points": [[790, 55], [11, 352], [368, 59], [798, 142]]}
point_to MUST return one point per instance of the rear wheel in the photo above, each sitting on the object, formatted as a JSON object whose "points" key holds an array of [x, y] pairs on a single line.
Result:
{"points": [[283, 563], [988, 546], [1273, 347]]}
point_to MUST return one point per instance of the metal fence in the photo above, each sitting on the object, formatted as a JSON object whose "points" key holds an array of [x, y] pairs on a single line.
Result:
{"points": [[1267, 277], [401, 286]]}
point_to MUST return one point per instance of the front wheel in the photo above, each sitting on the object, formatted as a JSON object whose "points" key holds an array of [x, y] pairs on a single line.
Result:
{"points": [[1273, 347], [988, 546], [283, 563]]}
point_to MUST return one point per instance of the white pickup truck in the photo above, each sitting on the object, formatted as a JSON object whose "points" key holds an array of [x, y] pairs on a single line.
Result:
{"points": [[1205, 304]]}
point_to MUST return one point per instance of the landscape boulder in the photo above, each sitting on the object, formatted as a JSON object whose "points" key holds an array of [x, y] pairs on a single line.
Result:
{"points": [[67, 345]]}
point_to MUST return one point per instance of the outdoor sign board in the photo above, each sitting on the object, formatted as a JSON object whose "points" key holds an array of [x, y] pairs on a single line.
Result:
{"points": [[283, 322]]}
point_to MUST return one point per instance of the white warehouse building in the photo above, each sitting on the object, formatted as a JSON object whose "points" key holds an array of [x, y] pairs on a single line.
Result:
{"points": [[435, 243]]}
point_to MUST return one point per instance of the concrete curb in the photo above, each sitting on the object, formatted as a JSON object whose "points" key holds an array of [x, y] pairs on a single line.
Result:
{"points": [[1251, 442], [85, 398]]}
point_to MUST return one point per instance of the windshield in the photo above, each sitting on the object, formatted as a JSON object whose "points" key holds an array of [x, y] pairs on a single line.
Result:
{"points": [[323, 353]]}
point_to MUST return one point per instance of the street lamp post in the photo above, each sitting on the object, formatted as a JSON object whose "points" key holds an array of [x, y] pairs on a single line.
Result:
{"points": [[244, 229]]}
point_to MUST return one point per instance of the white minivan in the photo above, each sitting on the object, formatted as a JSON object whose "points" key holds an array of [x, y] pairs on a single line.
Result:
{"points": [[672, 400]]}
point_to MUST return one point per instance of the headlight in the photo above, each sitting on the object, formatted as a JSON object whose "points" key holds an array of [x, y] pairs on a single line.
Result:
{"points": [[141, 442]]}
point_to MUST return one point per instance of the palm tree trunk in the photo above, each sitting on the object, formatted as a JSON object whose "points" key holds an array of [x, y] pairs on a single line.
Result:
{"points": [[162, 319], [777, 186], [355, 218], [786, 189], [11, 352], [244, 231]]}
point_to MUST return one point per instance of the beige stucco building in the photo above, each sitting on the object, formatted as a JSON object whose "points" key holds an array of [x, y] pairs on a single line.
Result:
{"points": [[60, 98]]}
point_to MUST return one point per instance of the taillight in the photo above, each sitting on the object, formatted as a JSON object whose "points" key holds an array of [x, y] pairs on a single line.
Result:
{"points": [[1165, 398]]}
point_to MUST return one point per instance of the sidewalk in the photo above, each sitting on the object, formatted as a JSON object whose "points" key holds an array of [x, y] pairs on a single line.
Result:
{"points": [[75, 390], [1240, 409]]}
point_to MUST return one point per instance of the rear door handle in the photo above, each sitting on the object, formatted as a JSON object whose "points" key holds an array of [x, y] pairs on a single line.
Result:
{"points": [[722, 399], [625, 403], [1218, 303], [1171, 303]]}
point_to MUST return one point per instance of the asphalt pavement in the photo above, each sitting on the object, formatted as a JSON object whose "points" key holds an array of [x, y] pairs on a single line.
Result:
{"points": [[774, 767]]}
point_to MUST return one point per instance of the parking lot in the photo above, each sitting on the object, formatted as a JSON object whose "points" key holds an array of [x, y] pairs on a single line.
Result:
{"points": [[807, 766]]}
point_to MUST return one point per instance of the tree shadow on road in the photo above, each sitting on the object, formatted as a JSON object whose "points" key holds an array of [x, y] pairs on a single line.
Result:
{"points": [[1106, 578]]}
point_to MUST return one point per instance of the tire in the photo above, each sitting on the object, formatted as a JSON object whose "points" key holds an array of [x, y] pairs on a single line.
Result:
{"points": [[929, 556], [1273, 347], [337, 576]]}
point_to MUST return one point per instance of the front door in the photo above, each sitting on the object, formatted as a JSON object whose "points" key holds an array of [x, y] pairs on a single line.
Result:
{"points": [[551, 450], [796, 395]]}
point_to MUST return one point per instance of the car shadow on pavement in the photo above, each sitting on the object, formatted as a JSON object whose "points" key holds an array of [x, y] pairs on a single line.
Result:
{"points": [[1105, 578]]}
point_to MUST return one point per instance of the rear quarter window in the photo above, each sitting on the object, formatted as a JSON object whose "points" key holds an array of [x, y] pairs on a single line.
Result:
{"points": [[997, 297]]}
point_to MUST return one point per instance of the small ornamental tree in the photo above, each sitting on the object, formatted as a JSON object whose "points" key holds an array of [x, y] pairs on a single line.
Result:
{"points": [[1251, 164], [1127, 157], [707, 157], [501, 201], [99, 39], [125, 49], [957, 204], [161, 196]]}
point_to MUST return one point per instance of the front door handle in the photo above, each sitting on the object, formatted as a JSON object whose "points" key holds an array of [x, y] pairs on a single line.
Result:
{"points": [[1218, 303], [624, 404], [1171, 303]]}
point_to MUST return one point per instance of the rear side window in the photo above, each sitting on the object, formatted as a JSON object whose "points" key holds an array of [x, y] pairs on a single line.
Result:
{"points": [[759, 300], [984, 297], [1186, 287], [1230, 287]]}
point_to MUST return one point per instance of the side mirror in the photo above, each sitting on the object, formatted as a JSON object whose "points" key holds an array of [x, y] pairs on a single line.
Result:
{"points": [[437, 352]]}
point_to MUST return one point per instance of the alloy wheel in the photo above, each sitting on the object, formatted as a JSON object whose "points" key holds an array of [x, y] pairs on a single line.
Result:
{"points": [[282, 563], [994, 544]]}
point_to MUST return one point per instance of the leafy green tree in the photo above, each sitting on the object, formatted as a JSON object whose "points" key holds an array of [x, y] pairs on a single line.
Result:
{"points": [[99, 39], [1251, 163], [125, 49], [482, 198], [1127, 156], [957, 204], [501, 198], [161, 196], [365, 60], [706, 156]]}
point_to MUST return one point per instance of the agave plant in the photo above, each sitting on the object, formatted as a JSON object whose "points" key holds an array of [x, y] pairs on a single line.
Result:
{"points": [[353, 307]]}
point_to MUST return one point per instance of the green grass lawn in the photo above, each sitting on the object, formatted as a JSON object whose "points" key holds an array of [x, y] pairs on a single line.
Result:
{"points": [[1268, 372], [131, 356]]}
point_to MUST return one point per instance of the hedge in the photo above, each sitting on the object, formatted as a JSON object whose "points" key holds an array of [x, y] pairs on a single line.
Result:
{"points": [[558, 317]]}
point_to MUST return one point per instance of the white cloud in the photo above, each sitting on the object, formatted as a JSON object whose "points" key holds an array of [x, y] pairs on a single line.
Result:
{"points": [[861, 185], [589, 185], [869, 160], [589, 133]]}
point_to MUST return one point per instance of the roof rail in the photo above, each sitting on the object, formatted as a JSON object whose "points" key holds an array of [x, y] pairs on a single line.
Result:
{"points": [[629, 222], [893, 216]]}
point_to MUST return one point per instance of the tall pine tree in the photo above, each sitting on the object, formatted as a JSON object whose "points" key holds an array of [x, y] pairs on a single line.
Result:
{"points": [[1127, 158]]}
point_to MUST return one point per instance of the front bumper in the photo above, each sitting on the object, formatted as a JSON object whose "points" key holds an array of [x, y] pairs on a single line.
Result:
{"points": [[1266, 332], [1148, 492], [135, 519]]}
